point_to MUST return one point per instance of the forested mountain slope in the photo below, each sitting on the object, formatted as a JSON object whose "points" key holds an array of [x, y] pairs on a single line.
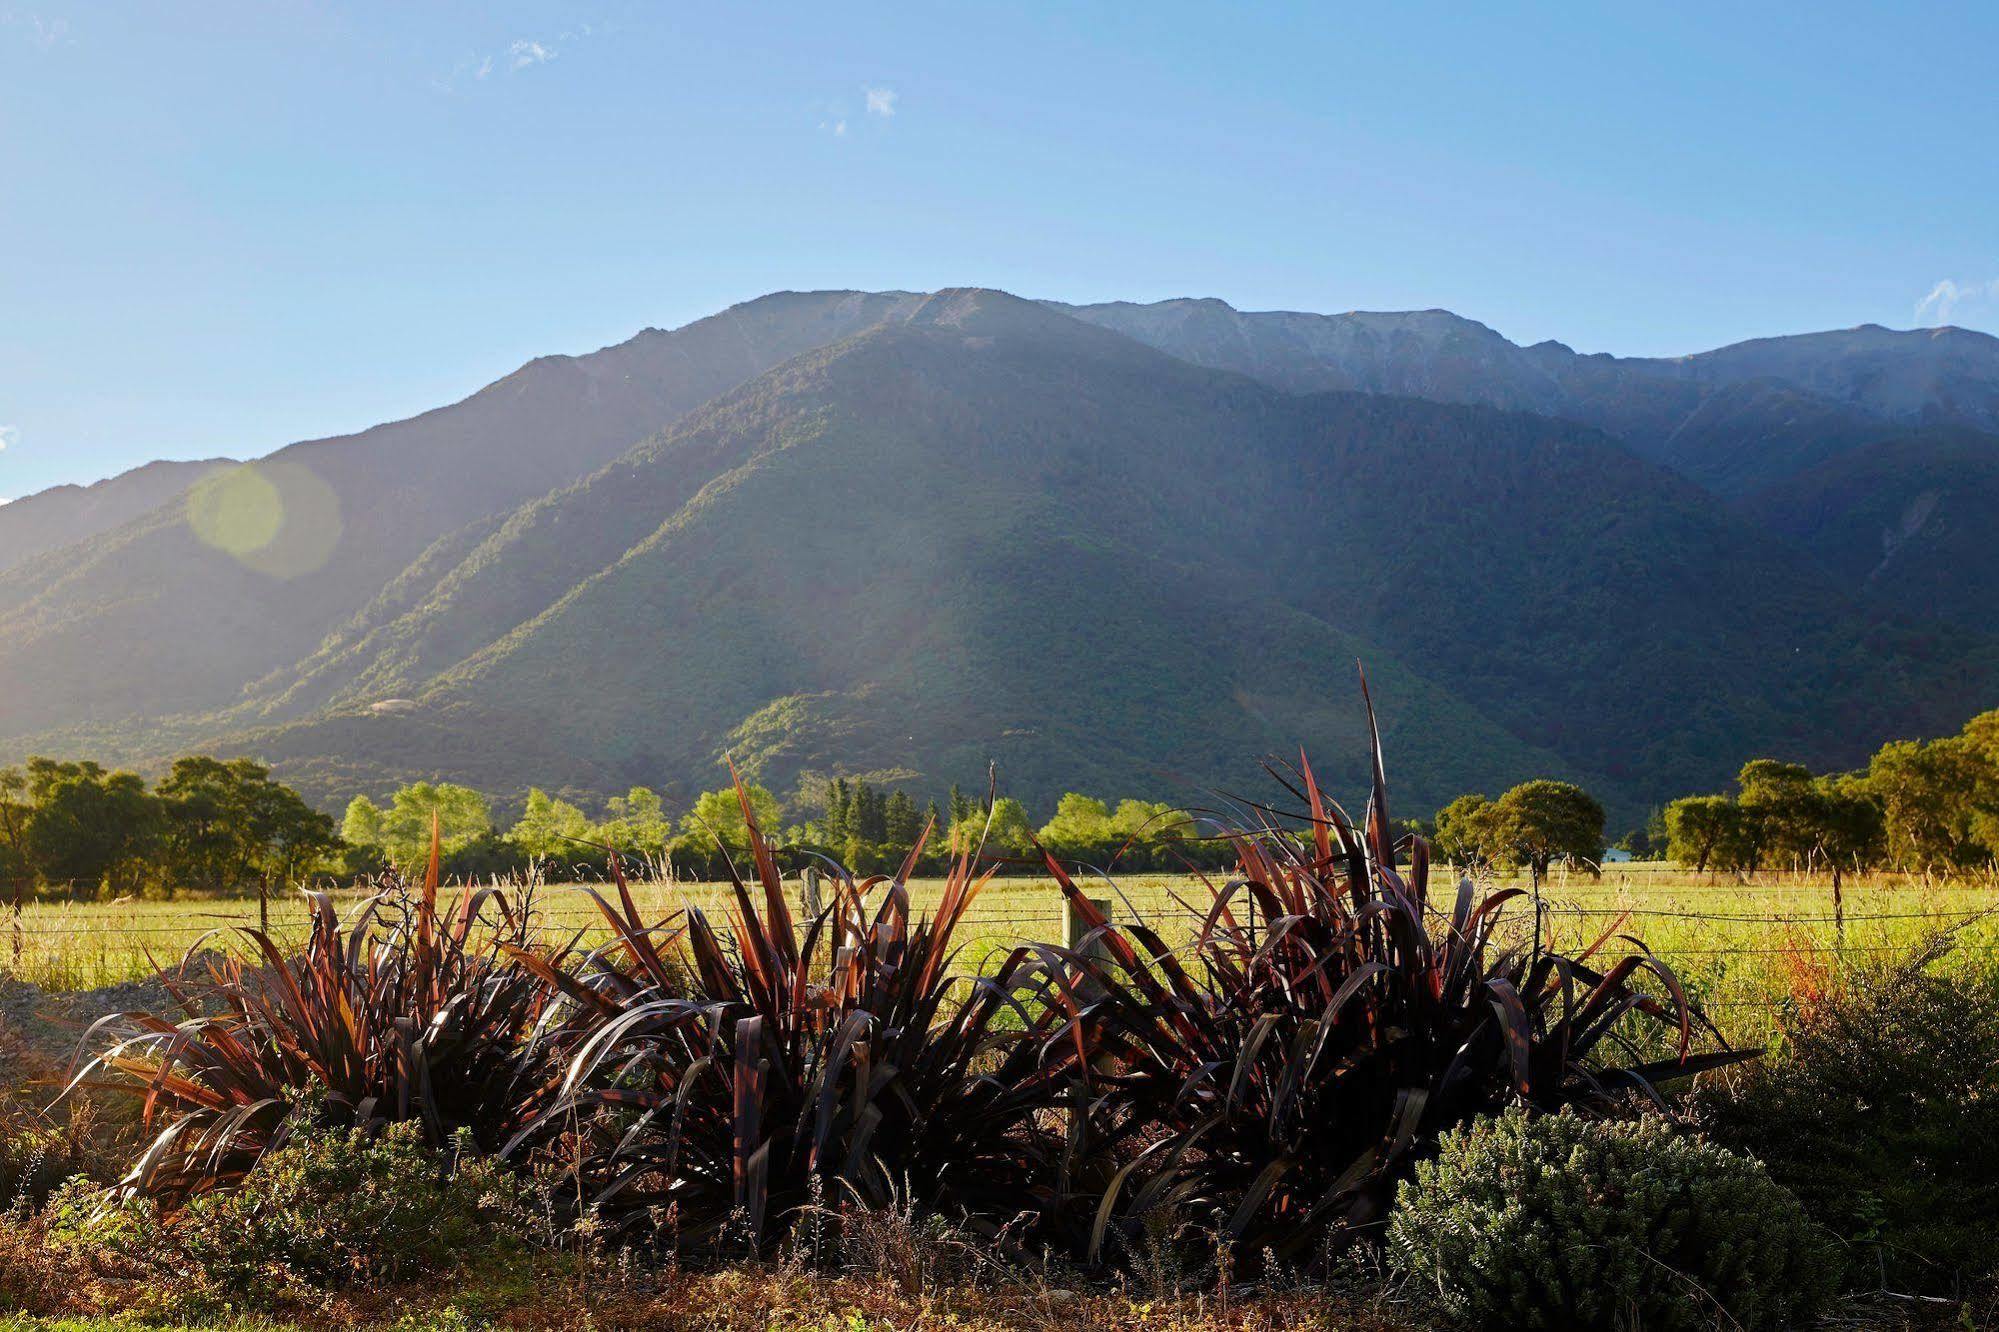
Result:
{"points": [[904, 534]]}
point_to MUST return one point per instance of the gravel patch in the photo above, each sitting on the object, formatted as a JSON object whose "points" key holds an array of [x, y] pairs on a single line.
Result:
{"points": [[40, 1029]]}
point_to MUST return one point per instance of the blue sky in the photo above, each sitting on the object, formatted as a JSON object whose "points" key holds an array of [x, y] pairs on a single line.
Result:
{"points": [[226, 226]]}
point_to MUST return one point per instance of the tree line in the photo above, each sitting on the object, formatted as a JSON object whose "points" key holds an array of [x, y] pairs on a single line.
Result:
{"points": [[225, 827], [210, 825], [1923, 806], [869, 829]]}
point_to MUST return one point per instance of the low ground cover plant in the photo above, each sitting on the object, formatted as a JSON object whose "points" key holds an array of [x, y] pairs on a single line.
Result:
{"points": [[330, 1208], [1559, 1222]]}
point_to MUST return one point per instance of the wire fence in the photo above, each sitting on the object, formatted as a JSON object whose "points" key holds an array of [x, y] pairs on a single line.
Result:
{"points": [[1739, 947]]}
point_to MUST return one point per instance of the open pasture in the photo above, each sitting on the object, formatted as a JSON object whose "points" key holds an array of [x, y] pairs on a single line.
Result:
{"points": [[1740, 947]]}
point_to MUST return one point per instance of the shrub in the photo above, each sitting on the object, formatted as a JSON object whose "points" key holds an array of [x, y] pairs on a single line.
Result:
{"points": [[402, 1012], [330, 1208], [1270, 1083], [1560, 1222], [1881, 1112], [716, 1102]]}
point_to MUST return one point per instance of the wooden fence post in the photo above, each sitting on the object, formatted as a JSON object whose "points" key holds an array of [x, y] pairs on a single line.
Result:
{"points": [[1075, 928], [1075, 936], [808, 892]]}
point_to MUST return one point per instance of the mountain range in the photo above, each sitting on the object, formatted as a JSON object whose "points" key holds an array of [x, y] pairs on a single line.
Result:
{"points": [[1124, 548]]}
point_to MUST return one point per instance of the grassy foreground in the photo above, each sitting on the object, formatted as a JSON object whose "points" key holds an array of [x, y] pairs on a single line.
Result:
{"points": [[1740, 947]]}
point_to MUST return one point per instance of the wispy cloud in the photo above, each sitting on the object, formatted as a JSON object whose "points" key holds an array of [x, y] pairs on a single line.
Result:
{"points": [[521, 53], [881, 102], [8, 434], [44, 34], [1950, 298], [524, 53]]}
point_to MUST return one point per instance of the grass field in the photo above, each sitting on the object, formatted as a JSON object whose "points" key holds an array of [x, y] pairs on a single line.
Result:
{"points": [[1739, 947]]}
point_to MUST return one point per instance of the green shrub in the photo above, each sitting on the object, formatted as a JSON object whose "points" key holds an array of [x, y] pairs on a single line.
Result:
{"points": [[1562, 1222], [1880, 1110], [329, 1208]]}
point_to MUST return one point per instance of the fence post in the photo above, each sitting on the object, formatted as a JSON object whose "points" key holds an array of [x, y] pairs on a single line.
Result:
{"points": [[1075, 927], [1838, 906], [1075, 936], [808, 893]]}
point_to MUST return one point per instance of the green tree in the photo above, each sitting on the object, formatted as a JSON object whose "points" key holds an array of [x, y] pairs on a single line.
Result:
{"points": [[16, 874], [1009, 833], [1847, 830], [1467, 832], [1781, 809], [636, 825], [1704, 831], [1934, 799], [1981, 733], [968, 824], [1080, 827], [401, 833], [1149, 822], [867, 817], [89, 829], [551, 829], [361, 830], [718, 816], [1539, 822], [900, 823], [839, 812], [227, 826]]}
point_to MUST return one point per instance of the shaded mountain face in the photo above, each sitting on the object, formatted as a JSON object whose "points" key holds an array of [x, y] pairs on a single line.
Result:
{"points": [[1736, 419], [904, 534], [1748, 422], [64, 515], [1908, 522]]}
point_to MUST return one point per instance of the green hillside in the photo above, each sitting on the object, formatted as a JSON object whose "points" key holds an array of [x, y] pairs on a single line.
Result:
{"points": [[990, 532]]}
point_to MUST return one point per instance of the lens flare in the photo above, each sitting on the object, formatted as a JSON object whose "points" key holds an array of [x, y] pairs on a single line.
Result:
{"points": [[277, 518]]}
